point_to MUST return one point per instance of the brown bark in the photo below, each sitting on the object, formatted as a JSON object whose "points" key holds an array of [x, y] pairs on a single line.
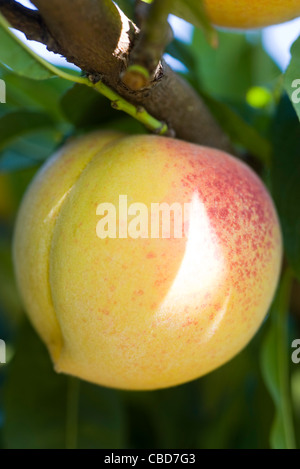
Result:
{"points": [[28, 21], [97, 37], [153, 39]]}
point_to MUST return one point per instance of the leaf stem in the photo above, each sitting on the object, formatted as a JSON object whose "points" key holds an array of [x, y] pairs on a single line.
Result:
{"points": [[139, 113]]}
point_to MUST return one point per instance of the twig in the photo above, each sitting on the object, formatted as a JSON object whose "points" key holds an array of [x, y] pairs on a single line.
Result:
{"points": [[138, 112], [97, 37], [28, 21], [145, 57], [94, 81]]}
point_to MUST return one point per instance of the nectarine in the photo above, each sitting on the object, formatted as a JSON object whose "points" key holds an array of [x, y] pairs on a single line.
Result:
{"points": [[251, 13], [130, 310]]}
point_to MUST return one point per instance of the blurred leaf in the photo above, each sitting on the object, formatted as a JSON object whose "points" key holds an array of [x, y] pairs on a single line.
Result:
{"points": [[285, 176], [183, 52], [270, 372], [239, 130], [17, 56], [275, 368], [7, 198], [84, 107], [20, 181], [35, 418], [101, 418], [295, 384], [31, 94], [125, 124], [295, 389], [30, 151], [234, 67], [10, 304], [292, 77], [127, 6], [194, 12], [167, 418], [17, 123], [13, 161], [236, 406], [46, 410]]}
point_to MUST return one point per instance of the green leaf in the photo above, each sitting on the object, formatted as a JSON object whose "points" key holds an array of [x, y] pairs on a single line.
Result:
{"points": [[285, 176], [17, 56], [194, 12], [239, 130], [39, 95], [18, 123], [275, 368], [10, 304], [30, 151], [292, 77], [35, 400], [101, 418], [127, 6], [271, 376], [167, 418], [84, 107], [46, 410], [295, 389], [237, 410], [237, 65], [184, 53]]}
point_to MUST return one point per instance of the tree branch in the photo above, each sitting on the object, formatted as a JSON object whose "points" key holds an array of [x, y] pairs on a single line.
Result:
{"points": [[150, 46], [26, 20], [96, 36]]}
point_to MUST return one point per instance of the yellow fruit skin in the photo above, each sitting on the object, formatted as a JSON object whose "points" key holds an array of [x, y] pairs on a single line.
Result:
{"points": [[145, 313], [251, 13]]}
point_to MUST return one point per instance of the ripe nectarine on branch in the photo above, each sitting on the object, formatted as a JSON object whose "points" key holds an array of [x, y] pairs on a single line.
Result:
{"points": [[134, 311]]}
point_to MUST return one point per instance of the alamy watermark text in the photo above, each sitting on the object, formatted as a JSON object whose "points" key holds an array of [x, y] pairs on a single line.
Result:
{"points": [[2, 352], [136, 220], [2, 92]]}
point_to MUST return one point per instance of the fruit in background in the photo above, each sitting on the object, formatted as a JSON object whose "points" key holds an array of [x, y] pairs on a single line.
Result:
{"points": [[251, 14], [145, 313]]}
